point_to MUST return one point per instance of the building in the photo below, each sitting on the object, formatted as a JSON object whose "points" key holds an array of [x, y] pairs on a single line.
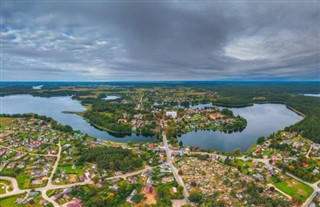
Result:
{"points": [[148, 189], [172, 114]]}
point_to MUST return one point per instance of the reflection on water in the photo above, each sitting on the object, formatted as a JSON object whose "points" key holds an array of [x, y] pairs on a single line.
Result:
{"points": [[54, 106], [262, 120]]}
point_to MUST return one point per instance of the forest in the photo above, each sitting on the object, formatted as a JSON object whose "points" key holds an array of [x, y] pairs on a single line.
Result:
{"points": [[107, 122], [112, 158]]}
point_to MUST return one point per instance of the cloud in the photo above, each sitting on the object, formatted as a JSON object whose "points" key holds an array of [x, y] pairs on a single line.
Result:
{"points": [[160, 40]]}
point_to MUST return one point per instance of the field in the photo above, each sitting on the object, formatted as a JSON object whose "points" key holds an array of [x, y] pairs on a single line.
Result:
{"points": [[10, 201], [23, 180], [294, 188], [5, 121]]}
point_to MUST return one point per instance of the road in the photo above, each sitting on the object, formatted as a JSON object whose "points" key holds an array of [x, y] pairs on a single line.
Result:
{"points": [[49, 184], [174, 170], [29, 153], [16, 190]]}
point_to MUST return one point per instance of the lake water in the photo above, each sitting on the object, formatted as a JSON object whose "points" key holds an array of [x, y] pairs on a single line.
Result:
{"points": [[312, 94], [263, 119], [53, 107], [198, 106]]}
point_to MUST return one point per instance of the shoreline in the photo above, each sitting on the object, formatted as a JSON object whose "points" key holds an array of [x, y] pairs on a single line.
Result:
{"points": [[217, 104], [108, 130]]}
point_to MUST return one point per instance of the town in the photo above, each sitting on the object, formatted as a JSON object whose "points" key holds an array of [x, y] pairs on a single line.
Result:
{"points": [[42, 166]]}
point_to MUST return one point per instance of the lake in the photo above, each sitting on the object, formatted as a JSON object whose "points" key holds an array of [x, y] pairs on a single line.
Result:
{"points": [[53, 107], [312, 94], [263, 119]]}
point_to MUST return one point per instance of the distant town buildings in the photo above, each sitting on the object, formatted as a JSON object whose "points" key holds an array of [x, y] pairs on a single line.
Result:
{"points": [[172, 114]]}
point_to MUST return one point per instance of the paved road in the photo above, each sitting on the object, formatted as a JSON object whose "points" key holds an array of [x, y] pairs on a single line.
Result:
{"points": [[174, 170], [55, 165], [44, 190], [16, 190], [29, 153]]}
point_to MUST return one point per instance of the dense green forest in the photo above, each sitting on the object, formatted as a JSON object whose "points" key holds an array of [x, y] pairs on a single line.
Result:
{"points": [[111, 158], [107, 122]]}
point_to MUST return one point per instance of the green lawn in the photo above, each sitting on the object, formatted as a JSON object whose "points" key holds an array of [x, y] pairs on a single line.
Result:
{"points": [[2, 188], [4, 121], [23, 180], [10, 201], [88, 138], [7, 182], [294, 188], [69, 169]]}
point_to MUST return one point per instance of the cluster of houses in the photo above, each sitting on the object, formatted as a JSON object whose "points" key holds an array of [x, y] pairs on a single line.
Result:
{"points": [[315, 151], [290, 139], [194, 118], [210, 176], [138, 122], [64, 197], [30, 136]]}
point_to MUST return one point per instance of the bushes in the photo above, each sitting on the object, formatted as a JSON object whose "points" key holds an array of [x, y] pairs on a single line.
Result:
{"points": [[195, 196]]}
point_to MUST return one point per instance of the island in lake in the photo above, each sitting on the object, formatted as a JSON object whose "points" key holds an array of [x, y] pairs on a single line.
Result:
{"points": [[154, 142]]}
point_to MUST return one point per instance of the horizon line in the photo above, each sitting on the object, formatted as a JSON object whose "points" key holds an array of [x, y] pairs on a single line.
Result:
{"points": [[146, 81]]}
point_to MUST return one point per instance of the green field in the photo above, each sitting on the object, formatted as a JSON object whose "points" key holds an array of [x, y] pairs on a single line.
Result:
{"points": [[10, 201], [23, 180], [294, 188], [69, 170]]}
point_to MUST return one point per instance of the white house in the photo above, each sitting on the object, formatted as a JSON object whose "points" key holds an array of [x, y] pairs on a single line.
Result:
{"points": [[173, 114]]}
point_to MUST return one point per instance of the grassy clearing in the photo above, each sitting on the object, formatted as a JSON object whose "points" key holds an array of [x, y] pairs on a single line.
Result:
{"points": [[10, 201], [68, 169], [4, 121], [23, 180], [294, 188]]}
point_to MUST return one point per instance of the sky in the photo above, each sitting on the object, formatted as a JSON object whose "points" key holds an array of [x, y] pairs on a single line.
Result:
{"points": [[159, 40]]}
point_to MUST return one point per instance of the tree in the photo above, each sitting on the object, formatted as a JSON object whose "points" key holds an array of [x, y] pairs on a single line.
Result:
{"points": [[195, 196], [261, 140], [96, 179], [271, 188], [237, 151], [137, 198], [227, 112], [193, 183]]}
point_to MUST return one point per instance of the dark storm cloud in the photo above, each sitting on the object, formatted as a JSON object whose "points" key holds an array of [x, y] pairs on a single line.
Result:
{"points": [[161, 40]]}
